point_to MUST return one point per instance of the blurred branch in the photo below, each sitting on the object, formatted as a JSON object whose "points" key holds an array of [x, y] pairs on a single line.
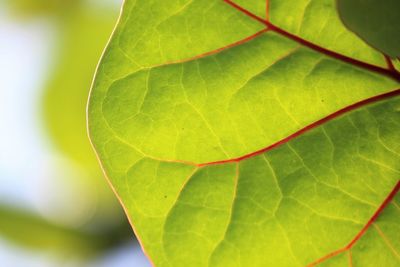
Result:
{"points": [[36, 233]]}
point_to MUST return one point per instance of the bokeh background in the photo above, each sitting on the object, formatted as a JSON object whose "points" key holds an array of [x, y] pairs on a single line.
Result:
{"points": [[56, 208]]}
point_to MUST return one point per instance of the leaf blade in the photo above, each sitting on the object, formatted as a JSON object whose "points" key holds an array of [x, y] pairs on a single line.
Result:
{"points": [[193, 113]]}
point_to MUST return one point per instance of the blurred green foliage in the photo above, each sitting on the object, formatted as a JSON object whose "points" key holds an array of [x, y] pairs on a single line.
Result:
{"points": [[33, 232], [29, 8], [83, 36], [375, 21], [82, 29]]}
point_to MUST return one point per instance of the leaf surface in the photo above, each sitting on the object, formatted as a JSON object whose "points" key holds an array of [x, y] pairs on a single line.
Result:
{"points": [[239, 138]]}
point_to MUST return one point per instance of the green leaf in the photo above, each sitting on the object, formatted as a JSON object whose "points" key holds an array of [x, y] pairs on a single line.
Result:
{"points": [[396, 64], [374, 21], [235, 138]]}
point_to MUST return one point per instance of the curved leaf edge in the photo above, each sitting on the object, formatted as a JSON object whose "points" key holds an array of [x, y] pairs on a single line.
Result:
{"points": [[390, 71]]}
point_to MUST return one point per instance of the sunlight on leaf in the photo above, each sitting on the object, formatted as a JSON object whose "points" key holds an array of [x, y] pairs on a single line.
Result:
{"points": [[239, 138]]}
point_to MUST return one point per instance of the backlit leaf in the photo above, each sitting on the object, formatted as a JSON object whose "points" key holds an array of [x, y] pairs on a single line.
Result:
{"points": [[239, 138]]}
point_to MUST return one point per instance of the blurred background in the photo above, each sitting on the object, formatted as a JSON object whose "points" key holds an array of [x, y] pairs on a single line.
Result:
{"points": [[56, 208]]}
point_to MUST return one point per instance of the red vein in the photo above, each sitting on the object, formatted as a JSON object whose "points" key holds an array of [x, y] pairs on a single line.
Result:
{"points": [[352, 61], [384, 204], [307, 128], [350, 259], [216, 51], [376, 214], [267, 9], [310, 126], [246, 12], [390, 64], [387, 241], [387, 72]]}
